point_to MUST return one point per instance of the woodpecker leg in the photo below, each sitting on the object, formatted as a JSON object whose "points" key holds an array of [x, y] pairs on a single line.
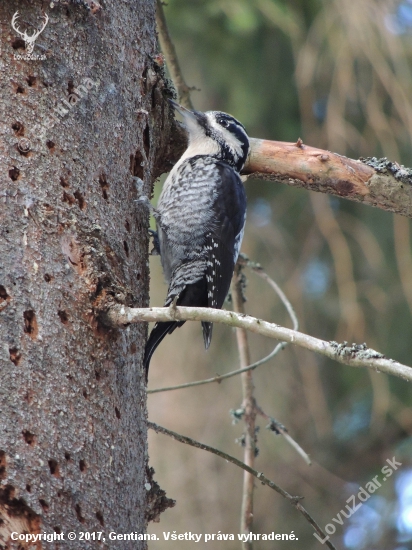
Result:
{"points": [[173, 303], [156, 244]]}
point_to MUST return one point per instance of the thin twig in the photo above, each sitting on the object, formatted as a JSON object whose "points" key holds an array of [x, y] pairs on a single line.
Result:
{"points": [[249, 407], [258, 269], [353, 355], [294, 500], [219, 377], [168, 49], [277, 428]]}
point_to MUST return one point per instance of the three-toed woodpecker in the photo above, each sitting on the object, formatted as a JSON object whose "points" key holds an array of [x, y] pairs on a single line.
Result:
{"points": [[201, 217]]}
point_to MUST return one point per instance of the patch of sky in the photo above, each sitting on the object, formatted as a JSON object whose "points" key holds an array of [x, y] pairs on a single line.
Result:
{"points": [[316, 278], [260, 212], [400, 20], [348, 424]]}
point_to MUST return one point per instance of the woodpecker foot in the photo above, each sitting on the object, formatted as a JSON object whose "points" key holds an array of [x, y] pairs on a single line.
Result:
{"points": [[173, 304], [156, 244]]}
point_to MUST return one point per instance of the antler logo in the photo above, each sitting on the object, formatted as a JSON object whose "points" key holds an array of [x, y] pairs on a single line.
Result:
{"points": [[28, 40]]}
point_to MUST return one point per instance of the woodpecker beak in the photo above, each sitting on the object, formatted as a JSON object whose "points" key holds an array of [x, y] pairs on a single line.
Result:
{"points": [[193, 120], [186, 113], [178, 107]]}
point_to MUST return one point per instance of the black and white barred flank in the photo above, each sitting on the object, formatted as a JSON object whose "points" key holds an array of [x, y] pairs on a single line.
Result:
{"points": [[201, 217]]}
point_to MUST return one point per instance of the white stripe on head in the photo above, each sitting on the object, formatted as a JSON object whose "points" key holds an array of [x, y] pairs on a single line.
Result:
{"points": [[199, 143], [208, 137], [229, 139]]}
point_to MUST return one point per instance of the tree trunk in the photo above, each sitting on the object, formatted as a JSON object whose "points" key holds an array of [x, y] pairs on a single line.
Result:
{"points": [[76, 124]]}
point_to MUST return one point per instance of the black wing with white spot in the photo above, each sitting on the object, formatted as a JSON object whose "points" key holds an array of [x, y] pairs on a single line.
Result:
{"points": [[225, 236]]}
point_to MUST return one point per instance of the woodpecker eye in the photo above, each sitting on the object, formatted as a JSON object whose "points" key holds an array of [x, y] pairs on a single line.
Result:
{"points": [[223, 122]]}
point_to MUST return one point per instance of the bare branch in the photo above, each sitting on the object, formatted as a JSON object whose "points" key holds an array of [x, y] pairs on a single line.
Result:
{"points": [[353, 355], [380, 183], [294, 500], [277, 428], [375, 182], [219, 377], [258, 269], [168, 49]]}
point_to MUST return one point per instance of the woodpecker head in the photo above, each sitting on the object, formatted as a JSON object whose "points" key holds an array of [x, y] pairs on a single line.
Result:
{"points": [[215, 134]]}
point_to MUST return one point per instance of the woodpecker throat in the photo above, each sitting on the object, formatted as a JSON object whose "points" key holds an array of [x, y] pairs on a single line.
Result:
{"points": [[200, 217]]}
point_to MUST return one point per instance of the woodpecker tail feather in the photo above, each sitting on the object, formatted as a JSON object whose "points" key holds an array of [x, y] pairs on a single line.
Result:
{"points": [[160, 330], [207, 333]]}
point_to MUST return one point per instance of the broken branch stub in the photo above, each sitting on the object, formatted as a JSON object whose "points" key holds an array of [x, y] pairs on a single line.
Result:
{"points": [[380, 183]]}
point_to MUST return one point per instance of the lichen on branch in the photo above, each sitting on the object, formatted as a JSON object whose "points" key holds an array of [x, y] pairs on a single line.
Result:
{"points": [[355, 355]]}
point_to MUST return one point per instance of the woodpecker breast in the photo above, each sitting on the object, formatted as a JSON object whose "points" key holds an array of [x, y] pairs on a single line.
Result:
{"points": [[202, 210]]}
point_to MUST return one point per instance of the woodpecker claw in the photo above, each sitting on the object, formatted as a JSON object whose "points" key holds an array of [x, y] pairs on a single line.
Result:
{"points": [[173, 304], [145, 201], [156, 244]]}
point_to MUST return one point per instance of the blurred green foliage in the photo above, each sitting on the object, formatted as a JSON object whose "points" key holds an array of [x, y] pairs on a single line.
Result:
{"points": [[336, 73], [222, 39]]}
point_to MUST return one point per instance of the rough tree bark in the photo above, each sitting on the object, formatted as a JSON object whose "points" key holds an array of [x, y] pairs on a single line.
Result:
{"points": [[75, 127]]}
